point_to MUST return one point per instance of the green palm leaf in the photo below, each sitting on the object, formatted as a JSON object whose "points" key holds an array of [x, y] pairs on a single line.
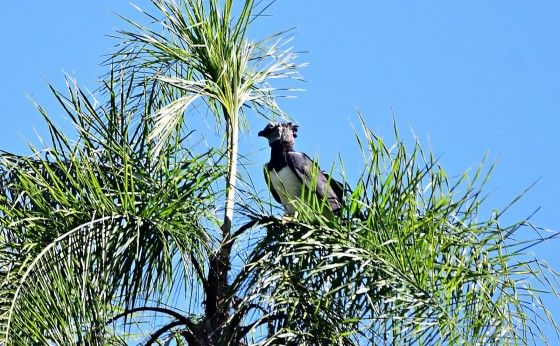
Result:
{"points": [[126, 234], [412, 264], [108, 220]]}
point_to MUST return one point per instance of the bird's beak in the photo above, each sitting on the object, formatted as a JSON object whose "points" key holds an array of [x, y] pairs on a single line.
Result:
{"points": [[261, 134]]}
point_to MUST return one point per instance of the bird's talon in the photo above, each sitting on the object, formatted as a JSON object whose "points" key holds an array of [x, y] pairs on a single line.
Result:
{"points": [[287, 219]]}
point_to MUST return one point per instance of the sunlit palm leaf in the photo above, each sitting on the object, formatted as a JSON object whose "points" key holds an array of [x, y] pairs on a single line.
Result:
{"points": [[118, 237], [92, 228], [203, 50], [415, 265]]}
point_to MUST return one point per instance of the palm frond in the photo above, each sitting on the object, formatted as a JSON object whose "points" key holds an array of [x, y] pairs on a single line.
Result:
{"points": [[203, 51], [111, 224], [412, 263]]}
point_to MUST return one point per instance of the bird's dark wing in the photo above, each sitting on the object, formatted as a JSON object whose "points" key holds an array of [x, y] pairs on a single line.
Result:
{"points": [[270, 187], [336, 186], [303, 167]]}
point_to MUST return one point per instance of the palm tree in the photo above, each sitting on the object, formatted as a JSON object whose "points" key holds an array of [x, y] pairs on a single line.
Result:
{"points": [[144, 230]]}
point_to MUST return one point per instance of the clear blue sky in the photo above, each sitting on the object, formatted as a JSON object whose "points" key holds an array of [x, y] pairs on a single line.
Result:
{"points": [[468, 78]]}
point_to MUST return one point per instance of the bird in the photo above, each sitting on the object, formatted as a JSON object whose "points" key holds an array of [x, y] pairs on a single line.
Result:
{"points": [[291, 175]]}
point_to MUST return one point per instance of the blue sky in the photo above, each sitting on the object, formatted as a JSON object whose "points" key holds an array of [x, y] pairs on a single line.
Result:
{"points": [[468, 78]]}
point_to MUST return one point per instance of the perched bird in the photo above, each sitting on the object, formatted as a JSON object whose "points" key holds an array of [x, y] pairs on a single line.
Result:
{"points": [[290, 172]]}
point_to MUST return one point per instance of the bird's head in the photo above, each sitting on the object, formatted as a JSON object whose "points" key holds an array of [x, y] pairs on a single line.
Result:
{"points": [[286, 132]]}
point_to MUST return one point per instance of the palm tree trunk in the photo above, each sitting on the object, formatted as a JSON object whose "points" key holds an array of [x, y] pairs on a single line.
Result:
{"points": [[233, 134], [220, 261]]}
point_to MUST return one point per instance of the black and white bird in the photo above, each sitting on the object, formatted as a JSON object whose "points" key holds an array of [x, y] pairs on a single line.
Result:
{"points": [[290, 172]]}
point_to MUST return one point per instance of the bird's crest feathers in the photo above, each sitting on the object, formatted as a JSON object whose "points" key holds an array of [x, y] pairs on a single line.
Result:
{"points": [[286, 132]]}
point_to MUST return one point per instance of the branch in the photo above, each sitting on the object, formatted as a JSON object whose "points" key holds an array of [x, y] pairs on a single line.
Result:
{"points": [[189, 337], [180, 318], [162, 330], [200, 273], [245, 330], [260, 221], [235, 320]]}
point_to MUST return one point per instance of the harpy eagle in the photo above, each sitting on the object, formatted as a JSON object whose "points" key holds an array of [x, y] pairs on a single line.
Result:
{"points": [[290, 172]]}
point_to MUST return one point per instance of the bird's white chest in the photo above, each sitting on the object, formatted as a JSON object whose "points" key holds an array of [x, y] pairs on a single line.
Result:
{"points": [[288, 187]]}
